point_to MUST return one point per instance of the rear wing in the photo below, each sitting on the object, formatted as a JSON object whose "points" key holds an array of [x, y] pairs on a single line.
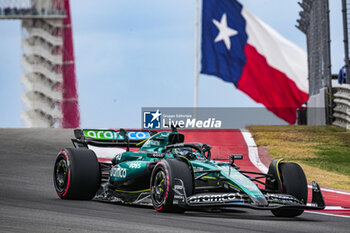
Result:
{"points": [[110, 137]]}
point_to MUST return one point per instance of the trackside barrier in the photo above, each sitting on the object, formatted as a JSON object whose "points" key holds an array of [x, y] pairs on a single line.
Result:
{"points": [[341, 111]]}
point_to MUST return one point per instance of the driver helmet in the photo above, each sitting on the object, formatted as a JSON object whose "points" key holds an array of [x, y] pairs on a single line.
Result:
{"points": [[185, 152]]}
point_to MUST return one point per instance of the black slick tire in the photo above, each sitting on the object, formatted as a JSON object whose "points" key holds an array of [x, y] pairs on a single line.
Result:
{"points": [[294, 183], [76, 174], [162, 182]]}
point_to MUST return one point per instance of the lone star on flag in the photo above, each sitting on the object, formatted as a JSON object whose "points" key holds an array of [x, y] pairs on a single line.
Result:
{"points": [[224, 31]]}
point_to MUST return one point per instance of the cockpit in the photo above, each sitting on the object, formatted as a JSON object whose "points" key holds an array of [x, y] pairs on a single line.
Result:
{"points": [[191, 151]]}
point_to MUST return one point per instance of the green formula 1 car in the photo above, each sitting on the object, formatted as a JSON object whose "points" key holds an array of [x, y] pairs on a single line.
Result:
{"points": [[159, 169]]}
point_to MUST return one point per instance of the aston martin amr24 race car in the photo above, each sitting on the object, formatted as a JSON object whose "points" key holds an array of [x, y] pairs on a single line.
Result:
{"points": [[159, 169]]}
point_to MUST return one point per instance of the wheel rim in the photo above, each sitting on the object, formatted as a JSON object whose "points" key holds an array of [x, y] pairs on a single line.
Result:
{"points": [[61, 175], [159, 186]]}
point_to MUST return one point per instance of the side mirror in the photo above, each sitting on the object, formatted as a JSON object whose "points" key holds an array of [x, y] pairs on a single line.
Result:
{"points": [[176, 138], [236, 156]]}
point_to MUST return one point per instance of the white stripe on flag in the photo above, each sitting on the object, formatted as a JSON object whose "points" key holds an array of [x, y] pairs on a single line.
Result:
{"points": [[280, 53]]}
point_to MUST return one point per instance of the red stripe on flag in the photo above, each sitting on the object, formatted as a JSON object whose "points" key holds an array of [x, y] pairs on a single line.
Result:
{"points": [[270, 87]]}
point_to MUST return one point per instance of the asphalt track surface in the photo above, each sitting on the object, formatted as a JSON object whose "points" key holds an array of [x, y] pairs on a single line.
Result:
{"points": [[28, 202]]}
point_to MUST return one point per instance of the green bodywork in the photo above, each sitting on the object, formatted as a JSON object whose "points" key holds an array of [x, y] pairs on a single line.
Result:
{"points": [[133, 165], [235, 178]]}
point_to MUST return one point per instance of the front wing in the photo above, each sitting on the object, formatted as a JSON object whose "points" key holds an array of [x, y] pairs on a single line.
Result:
{"points": [[275, 200]]}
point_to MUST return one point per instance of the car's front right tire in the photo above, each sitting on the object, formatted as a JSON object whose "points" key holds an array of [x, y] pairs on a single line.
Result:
{"points": [[294, 183]]}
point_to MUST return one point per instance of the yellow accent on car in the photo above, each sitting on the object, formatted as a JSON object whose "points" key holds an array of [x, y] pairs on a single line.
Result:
{"points": [[278, 173], [143, 141], [209, 177], [136, 191], [233, 185]]}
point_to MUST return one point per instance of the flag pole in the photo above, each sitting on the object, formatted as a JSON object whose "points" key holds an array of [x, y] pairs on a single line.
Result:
{"points": [[196, 61], [196, 58]]}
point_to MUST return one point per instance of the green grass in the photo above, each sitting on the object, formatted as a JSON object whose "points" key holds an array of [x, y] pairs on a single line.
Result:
{"points": [[334, 158], [326, 148]]}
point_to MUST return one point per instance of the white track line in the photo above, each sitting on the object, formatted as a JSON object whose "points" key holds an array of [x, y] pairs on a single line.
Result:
{"points": [[336, 208], [332, 191], [253, 151], [333, 215], [255, 159]]}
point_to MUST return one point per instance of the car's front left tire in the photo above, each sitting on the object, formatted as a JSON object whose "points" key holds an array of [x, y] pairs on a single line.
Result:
{"points": [[162, 181]]}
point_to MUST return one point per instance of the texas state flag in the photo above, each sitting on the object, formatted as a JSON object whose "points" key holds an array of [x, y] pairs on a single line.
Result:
{"points": [[239, 48]]}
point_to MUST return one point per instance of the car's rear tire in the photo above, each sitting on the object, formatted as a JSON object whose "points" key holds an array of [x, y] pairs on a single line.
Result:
{"points": [[76, 174], [162, 182], [294, 183]]}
